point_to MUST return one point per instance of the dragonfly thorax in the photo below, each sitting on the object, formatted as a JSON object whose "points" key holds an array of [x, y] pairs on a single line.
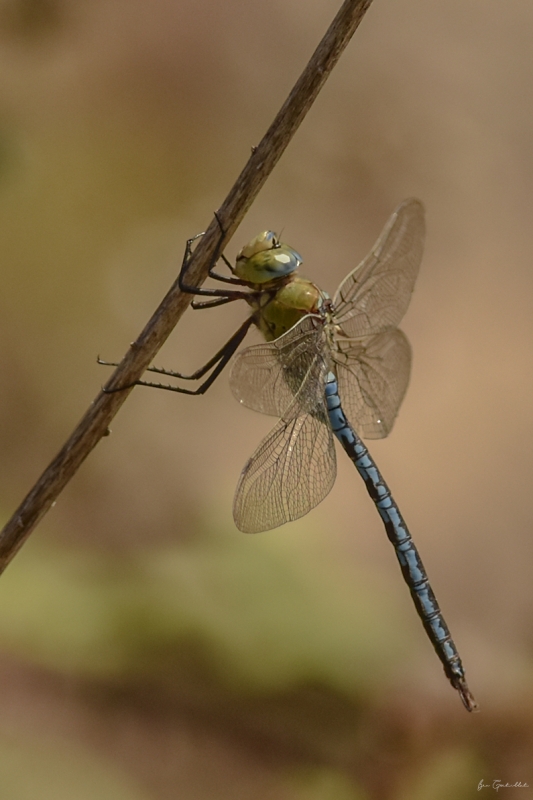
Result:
{"points": [[278, 309], [266, 259]]}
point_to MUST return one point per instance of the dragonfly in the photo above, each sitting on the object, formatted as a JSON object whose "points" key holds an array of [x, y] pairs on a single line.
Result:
{"points": [[326, 369]]}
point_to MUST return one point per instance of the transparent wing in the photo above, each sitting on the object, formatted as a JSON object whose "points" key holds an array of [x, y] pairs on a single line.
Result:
{"points": [[294, 467], [267, 377], [291, 471], [373, 375], [375, 295]]}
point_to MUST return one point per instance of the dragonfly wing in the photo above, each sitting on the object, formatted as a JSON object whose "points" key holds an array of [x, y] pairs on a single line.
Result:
{"points": [[267, 377], [291, 471], [373, 375], [375, 295]]}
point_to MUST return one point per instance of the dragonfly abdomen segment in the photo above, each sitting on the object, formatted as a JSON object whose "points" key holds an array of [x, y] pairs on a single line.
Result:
{"points": [[410, 562]]}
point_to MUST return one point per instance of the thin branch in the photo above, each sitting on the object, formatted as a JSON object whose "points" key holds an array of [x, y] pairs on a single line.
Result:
{"points": [[94, 423]]}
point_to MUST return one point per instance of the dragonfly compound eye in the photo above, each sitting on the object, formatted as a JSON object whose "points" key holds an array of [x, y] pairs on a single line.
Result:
{"points": [[267, 240], [264, 260]]}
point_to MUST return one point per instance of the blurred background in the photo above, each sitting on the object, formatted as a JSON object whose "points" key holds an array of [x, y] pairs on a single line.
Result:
{"points": [[148, 650]]}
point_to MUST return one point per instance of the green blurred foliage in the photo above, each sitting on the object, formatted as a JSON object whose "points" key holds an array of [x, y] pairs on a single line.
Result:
{"points": [[323, 784], [48, 770], [250, 614], [450, 773]]}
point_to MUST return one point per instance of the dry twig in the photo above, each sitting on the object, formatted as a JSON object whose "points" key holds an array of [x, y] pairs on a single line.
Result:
{"points": [[94, 423]]}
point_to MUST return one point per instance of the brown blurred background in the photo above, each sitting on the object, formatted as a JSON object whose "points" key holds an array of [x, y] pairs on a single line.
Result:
{"points": [[148, 650]]}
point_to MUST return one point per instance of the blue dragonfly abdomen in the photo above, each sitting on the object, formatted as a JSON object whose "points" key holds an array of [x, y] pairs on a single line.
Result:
{"points": [[408, 556]]}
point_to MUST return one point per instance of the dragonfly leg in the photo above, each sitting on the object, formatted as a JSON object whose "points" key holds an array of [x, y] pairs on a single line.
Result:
{"points": [[188, 289], [221, 301], [218, 361], [224, 278], [215, 275]]}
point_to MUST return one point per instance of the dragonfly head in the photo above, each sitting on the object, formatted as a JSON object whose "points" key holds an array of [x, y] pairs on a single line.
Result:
{"points": [[265, 258]]}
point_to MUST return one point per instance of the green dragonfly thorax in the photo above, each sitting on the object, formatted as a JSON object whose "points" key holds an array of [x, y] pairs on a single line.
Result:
{"points": [[277, 310], [281, 297]]}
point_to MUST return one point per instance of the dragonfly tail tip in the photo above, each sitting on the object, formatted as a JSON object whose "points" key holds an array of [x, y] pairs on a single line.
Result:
{"points": [[467, 697]]}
